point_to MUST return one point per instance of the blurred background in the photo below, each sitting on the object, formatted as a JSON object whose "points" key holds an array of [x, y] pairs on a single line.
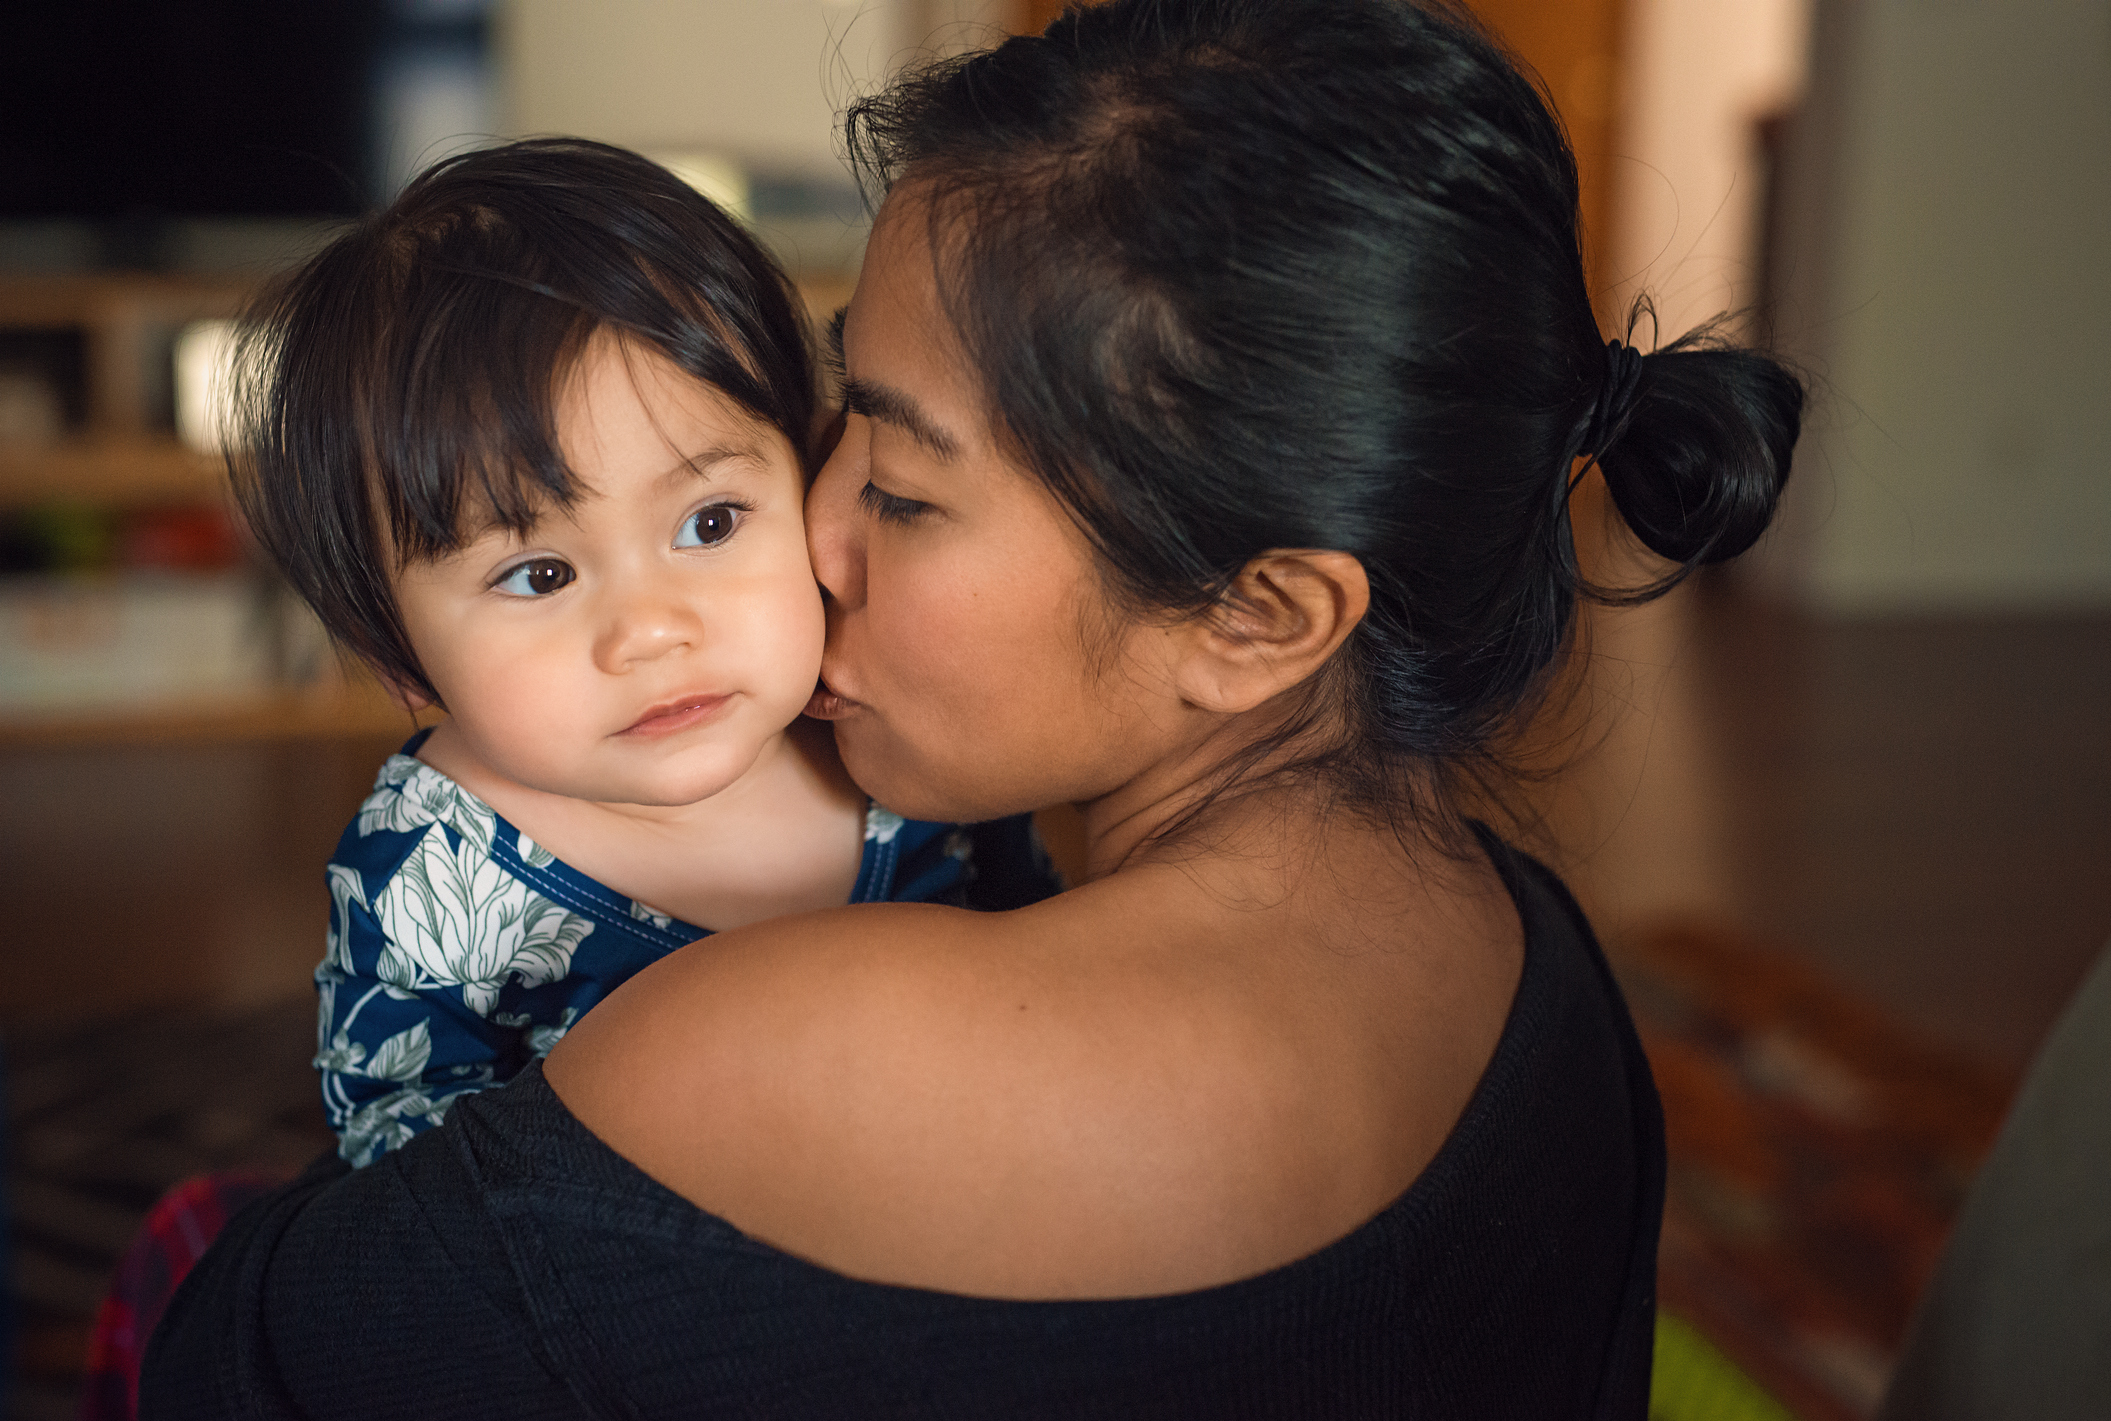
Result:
{"points": [[1843, 813]]}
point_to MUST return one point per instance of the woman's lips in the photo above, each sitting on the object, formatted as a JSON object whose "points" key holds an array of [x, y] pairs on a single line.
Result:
{"points": [[825, 704], [676, 715]]}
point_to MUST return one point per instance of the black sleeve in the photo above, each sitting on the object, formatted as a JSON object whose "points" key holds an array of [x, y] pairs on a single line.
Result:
{"points": [[379, 1292]]}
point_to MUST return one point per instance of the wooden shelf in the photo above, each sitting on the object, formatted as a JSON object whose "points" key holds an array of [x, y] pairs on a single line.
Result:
{"points": [[92, 298], [336, 708], [110, 471], [117, 313]]}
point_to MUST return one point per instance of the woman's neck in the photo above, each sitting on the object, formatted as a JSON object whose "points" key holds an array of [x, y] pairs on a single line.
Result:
{"points": [[1236, 790]]}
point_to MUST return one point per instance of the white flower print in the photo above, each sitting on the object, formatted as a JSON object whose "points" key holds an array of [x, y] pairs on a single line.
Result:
{"points": [[409, 793], [342, 1055], [534, 854], [540, 1038], [345, 890], [338, 1054], [380, 1125], [644, 914], [326, 980], [881, 825], [403, 1056], [452, 916]]}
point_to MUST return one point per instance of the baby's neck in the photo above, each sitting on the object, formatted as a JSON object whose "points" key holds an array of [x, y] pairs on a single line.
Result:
{"points": [[785, 837]]}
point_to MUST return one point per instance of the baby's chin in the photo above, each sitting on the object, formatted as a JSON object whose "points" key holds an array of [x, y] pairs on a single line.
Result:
{"points": [[678, 785], [670, 779]]}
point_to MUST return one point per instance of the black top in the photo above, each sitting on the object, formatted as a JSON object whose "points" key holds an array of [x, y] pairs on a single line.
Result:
{"points": [[510, 1264]]}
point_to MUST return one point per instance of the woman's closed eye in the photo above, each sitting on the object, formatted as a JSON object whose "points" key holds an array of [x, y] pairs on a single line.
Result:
{"points": [[888, 507], [708, 527], [537, 577]]}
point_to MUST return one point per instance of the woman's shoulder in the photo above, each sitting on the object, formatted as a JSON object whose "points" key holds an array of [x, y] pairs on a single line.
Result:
{"points": [[886, 1090], [1103, 1094]]}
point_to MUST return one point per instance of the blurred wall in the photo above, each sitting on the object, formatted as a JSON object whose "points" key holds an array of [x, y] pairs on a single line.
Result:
{"points": [[1688, 175], [1637, 809], [758, 80], [1947, 272]]}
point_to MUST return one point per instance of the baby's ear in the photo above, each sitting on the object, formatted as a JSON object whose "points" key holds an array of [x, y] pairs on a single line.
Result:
{"points": [[409, 697]]}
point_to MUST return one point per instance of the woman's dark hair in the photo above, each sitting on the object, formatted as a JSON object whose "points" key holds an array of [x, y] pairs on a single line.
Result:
{"points": [[398, 390], [1253, 274]]}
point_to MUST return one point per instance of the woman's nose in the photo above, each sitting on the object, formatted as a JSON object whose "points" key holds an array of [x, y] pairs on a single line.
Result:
{"points": [[834, 532], [645, 620]]}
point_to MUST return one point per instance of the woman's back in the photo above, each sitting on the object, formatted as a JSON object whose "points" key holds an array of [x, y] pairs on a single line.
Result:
{"points": [[1514, 1277]]}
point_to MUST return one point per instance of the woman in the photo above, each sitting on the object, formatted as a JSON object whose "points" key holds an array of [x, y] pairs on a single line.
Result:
{"points": [[1215, 385]]}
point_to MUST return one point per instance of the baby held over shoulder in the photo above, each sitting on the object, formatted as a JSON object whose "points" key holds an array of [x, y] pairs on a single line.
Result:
{"points": [[564, 506]]}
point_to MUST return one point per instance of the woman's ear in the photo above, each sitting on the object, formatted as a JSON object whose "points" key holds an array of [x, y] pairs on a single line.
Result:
{"points": [[1283, 616]]}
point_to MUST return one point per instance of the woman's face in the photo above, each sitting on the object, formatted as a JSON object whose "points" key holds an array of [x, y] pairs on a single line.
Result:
{"points": [[959, 670]]}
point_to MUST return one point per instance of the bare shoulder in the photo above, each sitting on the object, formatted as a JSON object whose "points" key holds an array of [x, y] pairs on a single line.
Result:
{"points": [[1064, 1101]]}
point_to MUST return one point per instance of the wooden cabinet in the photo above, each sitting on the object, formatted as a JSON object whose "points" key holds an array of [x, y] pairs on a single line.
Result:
{"points": [[120, 453], [116, 455]]}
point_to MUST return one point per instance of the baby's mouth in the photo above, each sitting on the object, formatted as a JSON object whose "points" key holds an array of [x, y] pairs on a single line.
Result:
{"points": [[678, 714]]}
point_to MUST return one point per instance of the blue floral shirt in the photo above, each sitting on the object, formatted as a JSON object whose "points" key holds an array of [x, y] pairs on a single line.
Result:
{"points": [[460, 949]]}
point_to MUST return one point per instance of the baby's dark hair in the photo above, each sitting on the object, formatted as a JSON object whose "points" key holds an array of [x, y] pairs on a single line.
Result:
{"points": [[1252, 274], [397, 392]]}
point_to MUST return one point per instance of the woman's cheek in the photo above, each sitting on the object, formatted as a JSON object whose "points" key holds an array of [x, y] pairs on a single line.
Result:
{"points": [[956, 649]]}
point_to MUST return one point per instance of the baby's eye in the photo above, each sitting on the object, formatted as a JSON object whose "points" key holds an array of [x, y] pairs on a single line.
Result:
{"points": [[707, 526], [537, 577]]}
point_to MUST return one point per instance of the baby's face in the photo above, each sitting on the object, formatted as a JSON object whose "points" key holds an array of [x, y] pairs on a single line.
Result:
{"points": [[646, 645]]}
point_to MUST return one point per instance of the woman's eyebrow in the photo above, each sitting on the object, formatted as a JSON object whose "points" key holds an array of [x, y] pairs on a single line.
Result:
{"points": [[886, 404], [891, 406]]}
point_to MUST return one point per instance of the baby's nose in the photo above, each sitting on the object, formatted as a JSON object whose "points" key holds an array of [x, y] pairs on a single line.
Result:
{"points": [[644, 624]]}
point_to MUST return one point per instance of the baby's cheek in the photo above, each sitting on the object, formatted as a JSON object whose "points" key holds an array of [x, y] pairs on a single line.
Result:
{"points": [[787, 634]]}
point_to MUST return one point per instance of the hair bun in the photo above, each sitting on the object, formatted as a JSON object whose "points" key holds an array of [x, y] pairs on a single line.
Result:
{"points": [[1705, 453]]}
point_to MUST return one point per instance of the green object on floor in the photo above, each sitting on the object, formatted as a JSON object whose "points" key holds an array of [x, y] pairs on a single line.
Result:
{"points": [[1692, 1381]]}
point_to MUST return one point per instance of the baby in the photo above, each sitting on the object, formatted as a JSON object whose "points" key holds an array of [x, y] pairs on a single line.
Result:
{"points": [[533, 444]]}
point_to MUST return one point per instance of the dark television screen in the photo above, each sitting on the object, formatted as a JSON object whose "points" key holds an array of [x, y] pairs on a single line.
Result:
{"points": [[123, 109]]}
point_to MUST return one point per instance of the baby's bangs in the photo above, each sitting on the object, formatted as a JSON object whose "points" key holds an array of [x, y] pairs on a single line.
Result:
{"points": [[469, 440]]}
